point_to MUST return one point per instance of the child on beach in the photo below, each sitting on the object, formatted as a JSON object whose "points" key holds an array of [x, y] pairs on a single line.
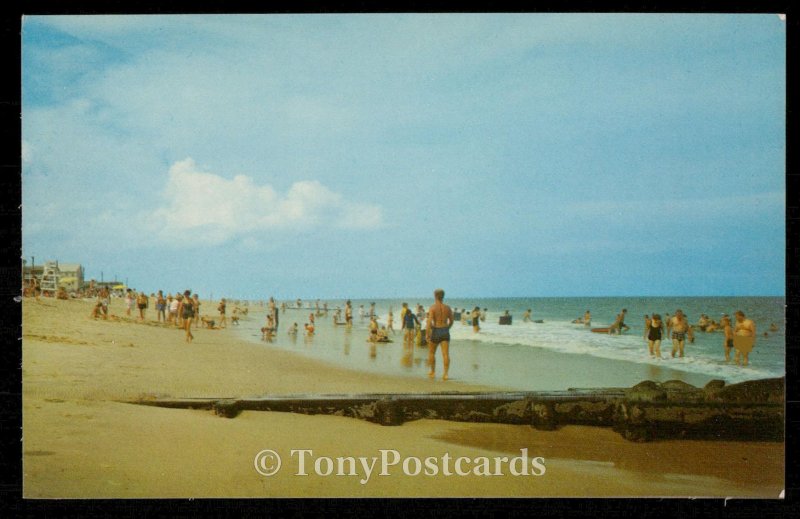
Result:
{"points": [[309, 329], [727, 342], [128, 302], [172, 304], [293, 329]]}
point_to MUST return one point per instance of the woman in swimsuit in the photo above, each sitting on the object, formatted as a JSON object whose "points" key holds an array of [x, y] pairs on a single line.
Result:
{"points": [[186, 311], [655, 330]]}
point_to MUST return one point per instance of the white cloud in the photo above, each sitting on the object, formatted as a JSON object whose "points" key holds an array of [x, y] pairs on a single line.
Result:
{"points": [[208, 209]]}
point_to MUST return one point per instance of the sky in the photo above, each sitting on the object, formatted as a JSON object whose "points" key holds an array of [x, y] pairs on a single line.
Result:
{"points": [[366, 156]]}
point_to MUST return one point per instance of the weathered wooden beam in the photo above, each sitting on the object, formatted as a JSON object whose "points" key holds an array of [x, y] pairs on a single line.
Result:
{"points": [[746, 411]]}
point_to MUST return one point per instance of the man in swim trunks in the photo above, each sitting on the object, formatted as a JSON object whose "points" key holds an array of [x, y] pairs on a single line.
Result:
{"points": [[680, 329], [440, 320]]}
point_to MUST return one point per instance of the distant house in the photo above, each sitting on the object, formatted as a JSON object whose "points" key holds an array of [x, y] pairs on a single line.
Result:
{"points": [[69, 275]]}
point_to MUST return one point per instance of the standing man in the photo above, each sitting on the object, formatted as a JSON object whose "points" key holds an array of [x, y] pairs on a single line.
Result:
{"points": [[440, 320], [747, 328], [680, 329], [223, 321]]}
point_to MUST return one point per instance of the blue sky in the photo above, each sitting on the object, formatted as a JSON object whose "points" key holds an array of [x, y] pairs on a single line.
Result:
{"points": [[356, 156]]}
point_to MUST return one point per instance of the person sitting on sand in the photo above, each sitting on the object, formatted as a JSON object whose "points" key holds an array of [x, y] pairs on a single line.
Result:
{"points": [[102, 304], [680, 330], [744, 328], [382, 336]]}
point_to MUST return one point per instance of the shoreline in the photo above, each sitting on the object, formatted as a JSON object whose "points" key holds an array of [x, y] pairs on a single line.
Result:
{"points": [[78, 441]]}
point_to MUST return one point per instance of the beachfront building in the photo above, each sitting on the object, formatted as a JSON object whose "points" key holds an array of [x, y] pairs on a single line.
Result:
{"points": [[52, 275], [70, 276]]}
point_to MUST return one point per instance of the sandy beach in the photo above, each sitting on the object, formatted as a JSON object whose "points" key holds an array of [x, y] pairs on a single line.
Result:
{"points": [[81, 440]]}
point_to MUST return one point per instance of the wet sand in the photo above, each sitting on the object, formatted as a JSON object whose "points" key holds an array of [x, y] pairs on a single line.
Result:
{"points": [[81, 440]]}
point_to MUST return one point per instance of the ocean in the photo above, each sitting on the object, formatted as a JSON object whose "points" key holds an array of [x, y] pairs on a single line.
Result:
{"points": [[554, 354]]}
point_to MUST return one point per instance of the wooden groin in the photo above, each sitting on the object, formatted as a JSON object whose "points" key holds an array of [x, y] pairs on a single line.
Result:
{"points": [[748, 411]]}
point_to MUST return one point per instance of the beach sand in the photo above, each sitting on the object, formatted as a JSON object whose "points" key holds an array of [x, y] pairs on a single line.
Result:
{"points": [[81, 440]]}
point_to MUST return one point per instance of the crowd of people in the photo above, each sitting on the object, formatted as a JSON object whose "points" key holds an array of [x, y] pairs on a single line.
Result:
{"points": [[183, 310]]}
